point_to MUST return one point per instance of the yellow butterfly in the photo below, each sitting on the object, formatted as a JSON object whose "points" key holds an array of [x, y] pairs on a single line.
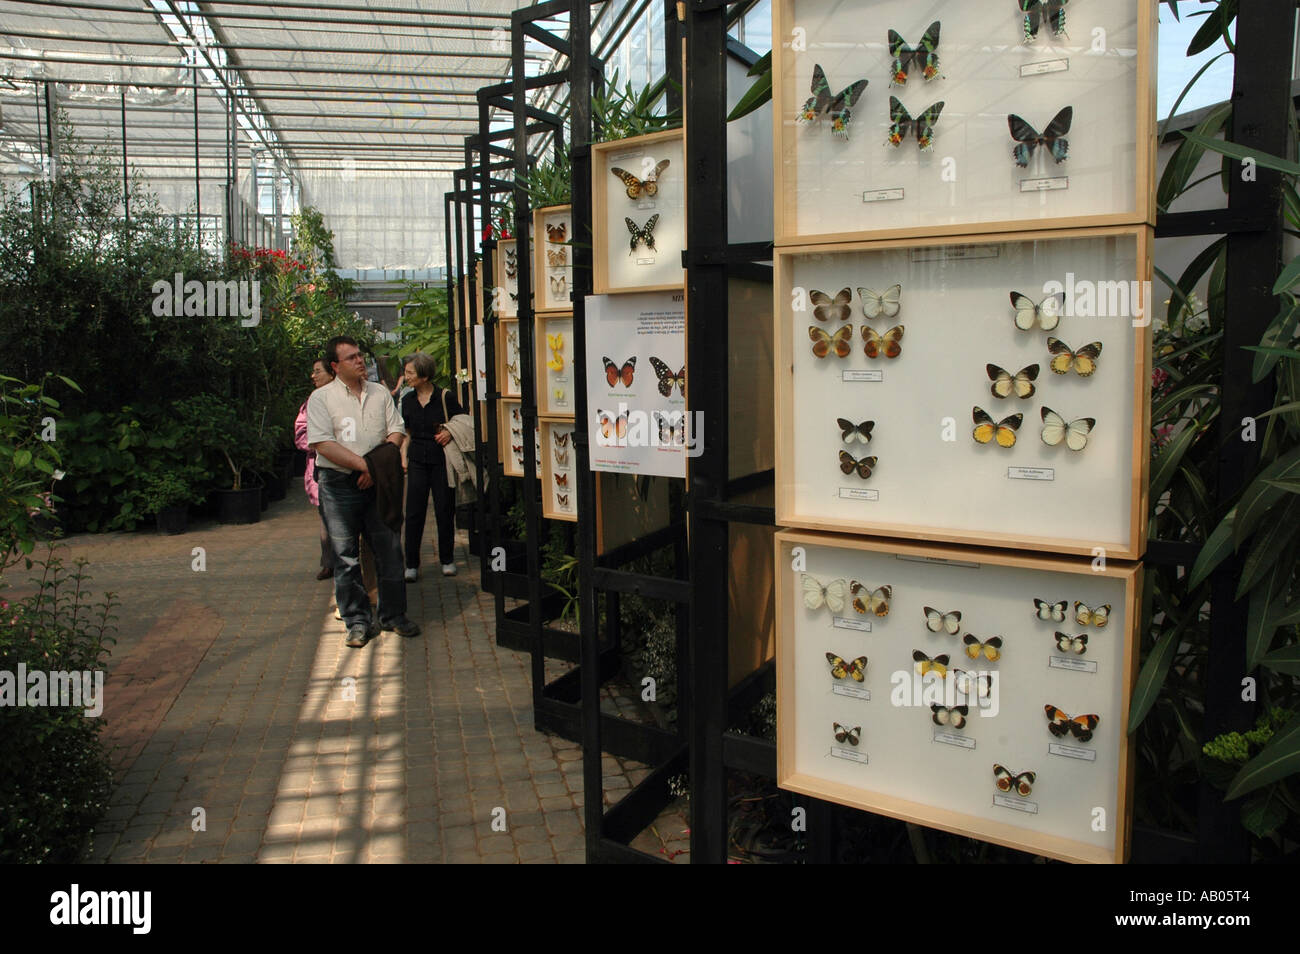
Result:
{"points": [[1084, 616], [986, 430], [937, 664], [1084, 361], [556, 344], [842, 669], [991, 648]]}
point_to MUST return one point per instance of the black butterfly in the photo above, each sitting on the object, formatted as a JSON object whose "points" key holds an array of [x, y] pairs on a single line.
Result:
{"points": [[1037, 11], [839, 107], [643, 234], [855, 432], [922, 55], [901, 123], [667, 379], [1053, 137]]}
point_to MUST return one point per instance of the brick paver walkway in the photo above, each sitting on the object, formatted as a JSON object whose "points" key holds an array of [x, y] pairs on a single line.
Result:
{"points": [[244, 730]]}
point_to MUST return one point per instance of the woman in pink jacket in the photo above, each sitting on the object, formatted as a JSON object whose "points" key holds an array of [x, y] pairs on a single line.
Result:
{"points": [[321, 375]]}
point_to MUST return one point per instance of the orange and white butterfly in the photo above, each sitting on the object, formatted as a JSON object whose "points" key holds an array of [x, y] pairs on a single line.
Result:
{"points": [[1085, 615], [936, 621], [842, 669], [845, 734], [1021, 783], [611, 427], [824, 344], [1059, 724], [990, 649], [866, 599], [1084, 361], [886, 345], [1004, 430], [614, 373]]}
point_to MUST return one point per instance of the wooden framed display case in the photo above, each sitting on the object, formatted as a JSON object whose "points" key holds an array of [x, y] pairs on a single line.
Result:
{"points": [[553, 259], [559, 470], [507, 279], [977, 678], [1077, 108], [653, 169], [509, 372], [510, 424], [555, 365], [893, 446]]}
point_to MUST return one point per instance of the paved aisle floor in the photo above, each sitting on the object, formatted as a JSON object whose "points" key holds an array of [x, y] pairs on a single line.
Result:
{"points": [[232, 701]]}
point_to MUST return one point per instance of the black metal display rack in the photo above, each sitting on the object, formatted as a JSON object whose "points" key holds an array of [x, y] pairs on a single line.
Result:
{"points": [[570, 705]]}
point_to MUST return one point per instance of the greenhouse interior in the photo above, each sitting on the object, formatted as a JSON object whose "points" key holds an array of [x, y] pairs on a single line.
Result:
{"points": [[263, 281]]}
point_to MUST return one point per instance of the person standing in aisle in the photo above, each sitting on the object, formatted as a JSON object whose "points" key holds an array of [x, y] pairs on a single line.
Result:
{"points": [[351, 423], [425, 411], [321, 375]]}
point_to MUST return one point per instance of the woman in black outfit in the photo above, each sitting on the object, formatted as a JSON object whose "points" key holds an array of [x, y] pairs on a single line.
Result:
{"points": [[425, 463]]}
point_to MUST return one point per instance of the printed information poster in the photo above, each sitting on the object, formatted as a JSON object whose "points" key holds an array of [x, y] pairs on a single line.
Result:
{"points": [[636, 391]]}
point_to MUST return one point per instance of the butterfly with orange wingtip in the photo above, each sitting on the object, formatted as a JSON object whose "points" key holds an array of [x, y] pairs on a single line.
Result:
{"points": [[1059, 723], [1004, 431]]}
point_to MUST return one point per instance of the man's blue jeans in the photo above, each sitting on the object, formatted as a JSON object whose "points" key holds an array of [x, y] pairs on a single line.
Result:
{"points": [[348, 512]]}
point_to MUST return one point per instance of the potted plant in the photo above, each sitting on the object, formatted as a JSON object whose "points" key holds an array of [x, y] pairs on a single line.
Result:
{"points": [[235, 441], [167, 495]]}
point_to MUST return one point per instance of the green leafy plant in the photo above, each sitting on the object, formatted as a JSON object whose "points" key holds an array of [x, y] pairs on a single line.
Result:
{"points": [[423, 327], [621, 113], [757, 94], [550, 182], [29, 462]]}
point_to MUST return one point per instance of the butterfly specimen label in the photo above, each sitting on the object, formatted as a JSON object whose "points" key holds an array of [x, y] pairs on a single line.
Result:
{"points": [[882, 195], [1048, 184], [858, 493], [857, 625], [858, 377], [901, 123], [1044, 66], [642, 235], [946, 737], [1052, 137], [852, 691], [1071, 664], [850, 755], [923, 56], [839, 107], [1031, 473], [1065, 750]]}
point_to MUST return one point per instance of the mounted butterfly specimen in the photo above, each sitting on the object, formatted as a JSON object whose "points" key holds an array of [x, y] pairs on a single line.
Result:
{"points": [[922, 56], [1074, 433], [838, 107], [612, 426], [561, 480], [924, 664], [672, 428], [850, 432], [642, 234], [557, 233], [667, 379], [562, 500], [874, 601], [512, 255], [831, 595], [1003, 432], [557, 257], [845, 734], [1052, 138], [826, 308], [954, 717], [559, 286], [1050, 611], [901, 123], [615, 374], [1059, 724], [968, 684], [936, 621], [1022, 783], [842, 669], [824, 343], [560, 439], [513, 370], [863, 466], [990, 649], [556, 343], [1083, 361], [1071, 644], [649, 186], [1042, 11], [1005, 384], [512, 268], [562, 458], [1085, 616], [875, 304], [1046, 314], [882, 346], [512, 340]]}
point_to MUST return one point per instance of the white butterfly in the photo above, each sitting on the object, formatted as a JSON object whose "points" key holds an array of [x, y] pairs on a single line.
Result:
{"points": [[971, 683], [935, 621], [833, 594], [1074, 433], [1052, 611], [1072, 644], [875, 304], [1047, 312]]}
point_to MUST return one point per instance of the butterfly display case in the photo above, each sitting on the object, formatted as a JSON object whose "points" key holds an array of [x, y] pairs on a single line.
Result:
{"points": [[510, 430], [509, 371], [555, 365], [898, 119], [559, 473], [505, 293], [980, 692], [553, 259], [992, 393], [638, 201]]}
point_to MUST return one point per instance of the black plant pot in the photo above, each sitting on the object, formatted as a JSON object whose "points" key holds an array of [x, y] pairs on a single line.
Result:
{"points": [[275, 483], [239, 506], [173, 520]]}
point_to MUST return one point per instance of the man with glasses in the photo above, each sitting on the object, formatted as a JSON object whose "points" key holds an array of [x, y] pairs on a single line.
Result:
{"points": [[346, 419]]}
